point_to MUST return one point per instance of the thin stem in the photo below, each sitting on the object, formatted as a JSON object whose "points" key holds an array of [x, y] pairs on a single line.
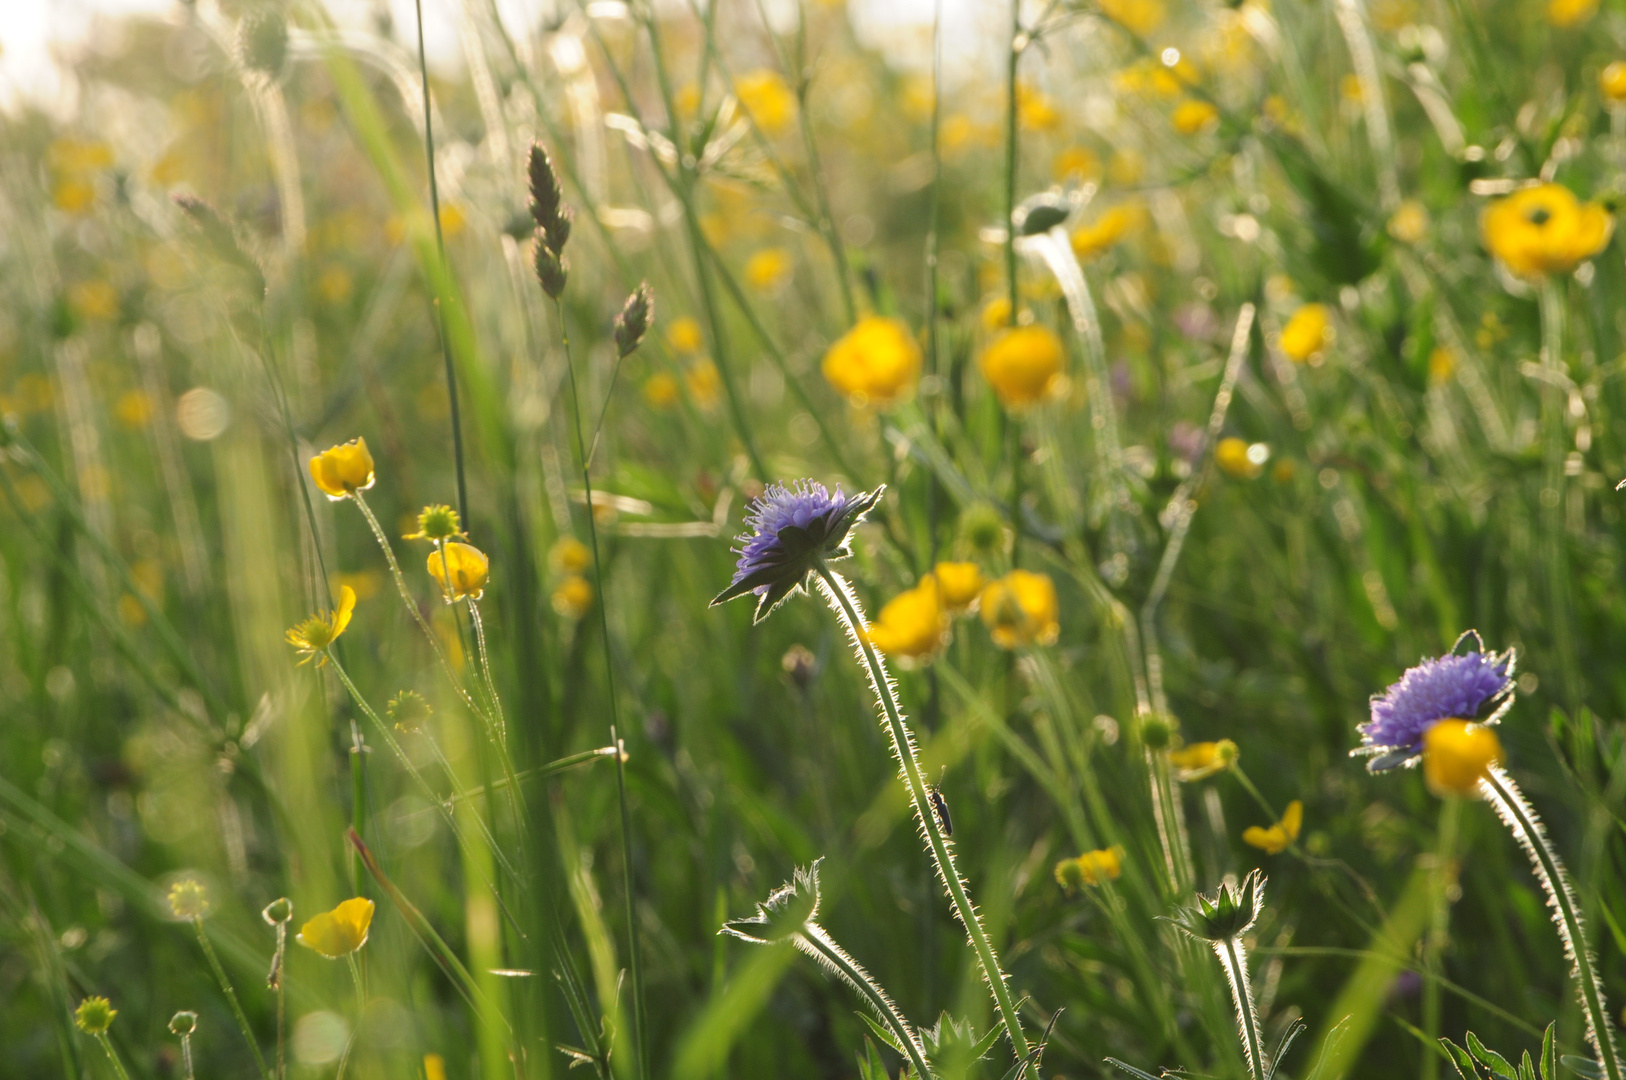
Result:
{"points": [[1235, 960], [817, 943], [639, 1026], [840, 597], [485, 669], [112, 1055], [282, 1007], [1551, 495], [440, 248], [358, 800], [1171, 822], [1520, 818], [1015, 56], [231, 997], [1439, 929], [186, 1058]]}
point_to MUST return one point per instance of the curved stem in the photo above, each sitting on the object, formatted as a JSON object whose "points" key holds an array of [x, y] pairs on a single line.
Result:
{"points": [[485, 669], [845, 605], [1504, 795], [817, 943], [1235, 959], [231, 999]]}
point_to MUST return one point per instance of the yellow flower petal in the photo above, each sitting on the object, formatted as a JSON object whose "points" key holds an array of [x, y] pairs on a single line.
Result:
{"points": [[339, 932]]}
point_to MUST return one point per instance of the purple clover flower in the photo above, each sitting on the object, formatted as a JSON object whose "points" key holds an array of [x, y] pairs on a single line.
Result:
{"points": [[789, 531], [1445, 688]]}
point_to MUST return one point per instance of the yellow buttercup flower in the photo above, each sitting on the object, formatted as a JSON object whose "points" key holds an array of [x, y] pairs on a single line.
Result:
{"points": [[316, 634], [1035, 111], [1239, 459], [1567, 13], [912, 624], [569, 555], [1021, 364], [1021, 609], [1090, 868], [704, 384], [661, 390], [1075, 164], [339, 932], [767, 269], [877, 362], [766, 99], [1108, 230], [1456, 754], [1544, 230], [1442, 364], [1191, 117], [460, 570], [1274, 840], [1138, 16], [1200, 760], [574, 597], [1612, 83], [683, 336], [958, 584], [1410, 222], [343, 470], [1308, 332]]}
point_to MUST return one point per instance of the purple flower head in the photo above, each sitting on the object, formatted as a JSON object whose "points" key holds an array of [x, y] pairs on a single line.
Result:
{"points": [[789, 530], [1445, 688]]}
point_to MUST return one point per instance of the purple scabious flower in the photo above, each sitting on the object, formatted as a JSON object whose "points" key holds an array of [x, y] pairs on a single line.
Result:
{"points": [[789, 531], [1445, 688]]}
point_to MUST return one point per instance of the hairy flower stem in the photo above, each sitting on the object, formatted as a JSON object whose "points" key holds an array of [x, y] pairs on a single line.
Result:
{"points": [[1520, 818], [1234, 958], [112, 1055], [817, 943], [231, 999], [842, 601], [634, 959]]}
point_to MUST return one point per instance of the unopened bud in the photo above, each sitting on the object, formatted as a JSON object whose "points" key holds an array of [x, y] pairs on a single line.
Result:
{"points": [[633, 322], [262, 41], [1157, 730], [278, 911], [551, 269], [183, 1023]]}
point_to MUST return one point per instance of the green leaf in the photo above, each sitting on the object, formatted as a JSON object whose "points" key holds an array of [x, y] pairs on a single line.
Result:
{"points": [[1549, 1068], [1498, 1065], [881, 1031], [1581, 1066], [1294, 1030], [1462, 1060], [1131, 1070], [1329, 1046], [1527, 1068], [870, 1065]]}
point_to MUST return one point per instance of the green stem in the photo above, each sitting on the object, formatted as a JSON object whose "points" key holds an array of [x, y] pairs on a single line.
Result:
{"points": [[112, 1055], [1439, 929], [485, 670], [1171, 822], [231, 998], [358, 800], [1014, 58], [1235, 960], [1551, 495], [817, 943], [845, 605], [1520, 818]]}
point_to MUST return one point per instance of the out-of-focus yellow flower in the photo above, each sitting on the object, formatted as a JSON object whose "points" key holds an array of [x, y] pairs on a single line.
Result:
{"points": [[334, 285], [1409, 224], [960, 132], [78, 155], [1274, 840], [1090, 868], [683, 336], [704, 384], [996, 314], [958, 584], [1544, 230], [765, 97], [573, 597], [1456, 754], [1192, 117], [1239, 459], [912, 624], [365, 583], [188, 899], [460, 570], [1034, 110], [1349, 88], [1021, 609], [73, 195], [452, 220], [1612, 83], [343, 470], [1108, 230], [95, 299], [1568, 13], [434, 1067], [133, 409], [1022, 363], [768, 269], [339, 932], [569, 555], [1198, 761], [437, 522], [1442, 364], [1138, 16], [1308, 332], [316, 634], [661, 390], [1075, 164], [877, 362], [1390, 16]]}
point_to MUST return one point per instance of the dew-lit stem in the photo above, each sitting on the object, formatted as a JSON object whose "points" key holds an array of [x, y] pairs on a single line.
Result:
{"points": [[1235, 960], [485, 669], [1520, 818], [358, 800], [112, 1055], [816, 942], [842, 601], [231, 997], [186, 1058], [1171, 822]]}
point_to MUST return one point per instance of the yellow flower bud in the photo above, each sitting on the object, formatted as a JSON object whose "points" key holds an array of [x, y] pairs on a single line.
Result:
{"points": [[94, 1015], [339, 932], [343, 470], [1021, 609], [1456, 754], [1021, 364], [188, 899], [460, 570]]}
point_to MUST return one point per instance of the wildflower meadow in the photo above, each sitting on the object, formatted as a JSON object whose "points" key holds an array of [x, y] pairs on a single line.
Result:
{"points": [[816, 539]]}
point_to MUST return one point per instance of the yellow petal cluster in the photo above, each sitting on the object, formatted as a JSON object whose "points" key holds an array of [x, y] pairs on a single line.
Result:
{"points": [[1021, 364], [683, 335], [1308, 332], [877, 362], [1090, 868], [1612, 83], [1456, 754], [313, 636], [1192, 117], [1108, 230], [1139, 16], [913, 624], [766, 99], [1544, 230], [339, 932], [343, 470], [958, 584], [460, 570], [1203, 759], [1237, 458], [1021, 609], [1274, 840], [573, 597]]}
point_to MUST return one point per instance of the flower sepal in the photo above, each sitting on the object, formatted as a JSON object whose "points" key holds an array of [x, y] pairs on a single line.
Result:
{"points": [[792, 531], [1226, 914], [785, 913]]}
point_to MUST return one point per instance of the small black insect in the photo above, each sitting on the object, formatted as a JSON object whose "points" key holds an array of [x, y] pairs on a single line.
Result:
{"points": [[934, 795]]}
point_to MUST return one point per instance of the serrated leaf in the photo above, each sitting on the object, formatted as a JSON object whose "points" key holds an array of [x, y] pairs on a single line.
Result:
{"points": [[1581, 1066], [881, 1032], [1131, 1070], [870, 1065], [1461, 1060], [1496, 1063]]}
